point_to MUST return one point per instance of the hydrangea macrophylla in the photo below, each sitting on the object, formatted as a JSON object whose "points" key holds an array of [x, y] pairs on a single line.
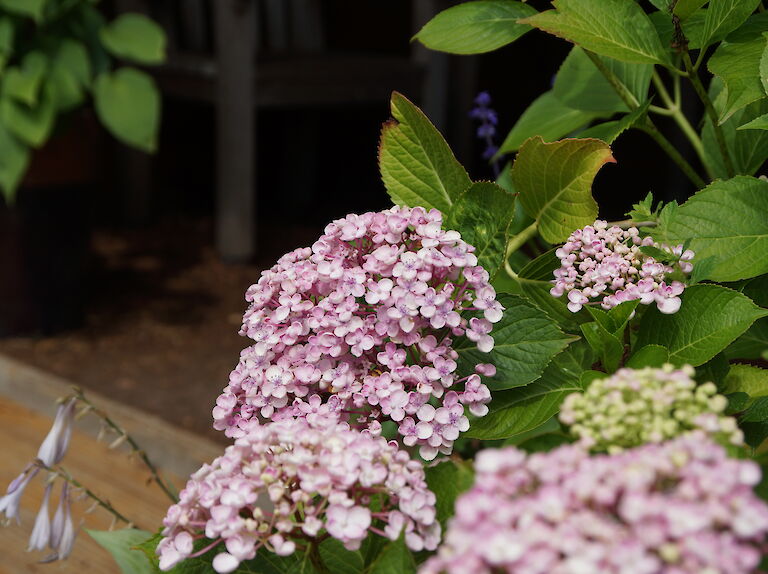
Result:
{"points": [[360, 326], [680, 507], [316, 477], [634, 407], [606, 263]]}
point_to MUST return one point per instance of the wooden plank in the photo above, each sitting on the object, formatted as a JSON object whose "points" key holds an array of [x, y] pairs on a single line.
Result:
{"points": [[235, 31]]}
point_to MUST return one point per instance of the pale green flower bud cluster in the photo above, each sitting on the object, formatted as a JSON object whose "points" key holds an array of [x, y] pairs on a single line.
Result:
{"points": [[638, 406]]}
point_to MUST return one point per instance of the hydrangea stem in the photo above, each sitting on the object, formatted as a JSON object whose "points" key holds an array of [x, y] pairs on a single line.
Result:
{"points": [[165, 487], [516, 243]]}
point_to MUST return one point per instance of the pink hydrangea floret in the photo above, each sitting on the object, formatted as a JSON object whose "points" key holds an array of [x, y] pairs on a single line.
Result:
{"points": [[605, 264], [362, 326], [681, 507], [292, 479]]}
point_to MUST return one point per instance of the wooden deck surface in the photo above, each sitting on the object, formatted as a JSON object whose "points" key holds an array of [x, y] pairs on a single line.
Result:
{"points": [[26, 406]]}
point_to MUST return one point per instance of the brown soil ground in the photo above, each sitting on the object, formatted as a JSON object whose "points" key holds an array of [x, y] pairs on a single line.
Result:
{"points": [[161, 329]]}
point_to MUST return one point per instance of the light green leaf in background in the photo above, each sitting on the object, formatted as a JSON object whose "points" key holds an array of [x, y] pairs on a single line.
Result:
{"points": [[475, 27], [7, 34], [648, 356], [759, 123], [14, 160], [609, 131], [618, 29], [128, 104], [580, 85], [685, 8], [764, 69], [548, 118], [525, 342], [724, 16], [554, 181], [120, 544], [737, 62], [32, 125], [416, 165], [520, 410], [748, 148], [483, 214], [136, 38], [72, 56], [448, 480], [746, 379], [24, 83], [726, 222], [710, 318], [30, 8]]}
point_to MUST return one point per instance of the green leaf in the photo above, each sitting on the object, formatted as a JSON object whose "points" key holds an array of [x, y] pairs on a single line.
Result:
{"points": [[121, 545], [7, 35], [525, 342], [764, 69], [32, 125], [648, 356], [417, 166], [516, 411], [725, 221], [710, 318], [618, 29], [24, 83], [748, 148], [759, 123], [754, 422], [67, 92], [580, 85], [482, 215], [715, 370], [14, 160], [475, 27], [395, 558], [616, 319], [554, 182], [128, 104], [607, 345], [693, 28], [136, 38], [30, 8], [72, 56], [338, 559], [448, 480], [684, 8], [609, 131], [746, 379], [737, 62], [752, 344], [548, 118], [724, 16]]}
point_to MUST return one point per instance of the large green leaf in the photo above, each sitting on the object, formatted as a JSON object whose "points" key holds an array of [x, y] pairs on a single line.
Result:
{"points": [[737, 62], [554, 182], [648, 356], [136, 38], [121, 544], [724, 16], [746, 379], [448, 480], [685, 8], [23, 83], [417, 166], [395, 558], [580, 85], [609, 131], [764, 69], [72, 56], [710, 318], [752, 344], [483, 214], [618, 29], [338, 559], [128, 104], [14, 160], [548, 118], [29, 8], [475, 27], [726, 224], [520, 410], [525, 342], [748, 148], [32, 125]]}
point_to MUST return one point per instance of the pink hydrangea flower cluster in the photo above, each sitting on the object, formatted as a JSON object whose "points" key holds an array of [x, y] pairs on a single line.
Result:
{"points": [[681, 507], [605, 263], [361, 325], [317, 478]]}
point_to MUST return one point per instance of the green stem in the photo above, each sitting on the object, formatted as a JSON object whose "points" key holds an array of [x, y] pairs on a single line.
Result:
{"points": [[710, 109], [64, 475], [133, 444], [664, 144], [677, 114], [626, 96], [516, 243]]}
